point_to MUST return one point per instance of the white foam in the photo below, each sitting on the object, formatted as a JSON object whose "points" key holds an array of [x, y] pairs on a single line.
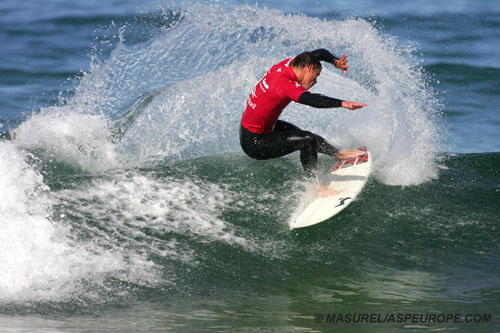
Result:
{"points": [[61, 135], [39, 259], [128, 202]]}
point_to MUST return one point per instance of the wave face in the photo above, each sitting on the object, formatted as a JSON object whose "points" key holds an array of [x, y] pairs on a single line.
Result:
{"points": [[181, 93]]}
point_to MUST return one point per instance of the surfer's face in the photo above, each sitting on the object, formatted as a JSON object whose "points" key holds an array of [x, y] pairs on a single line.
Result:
{"points": [[309, 78]]}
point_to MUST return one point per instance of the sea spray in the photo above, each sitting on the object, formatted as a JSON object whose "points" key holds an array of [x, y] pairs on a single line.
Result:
{"points": [[200, 71], [79, 140]]}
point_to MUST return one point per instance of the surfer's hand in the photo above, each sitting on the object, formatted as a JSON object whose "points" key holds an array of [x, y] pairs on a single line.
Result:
{"points": [[342, 64], [349, 154], [352, 105]]}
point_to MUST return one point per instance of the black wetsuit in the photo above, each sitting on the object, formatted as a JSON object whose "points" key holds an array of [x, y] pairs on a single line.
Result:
{"points": [[286, 139]]}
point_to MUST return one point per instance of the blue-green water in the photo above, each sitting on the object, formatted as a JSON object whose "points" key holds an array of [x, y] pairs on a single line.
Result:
{"points": [[127, 205]]}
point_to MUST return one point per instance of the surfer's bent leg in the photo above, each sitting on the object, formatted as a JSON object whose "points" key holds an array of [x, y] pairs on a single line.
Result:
{"points": [[286, 139], [323, 146]]}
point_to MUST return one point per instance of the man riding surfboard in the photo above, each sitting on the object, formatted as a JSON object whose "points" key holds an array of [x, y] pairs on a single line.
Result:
{"points": [[263, 136]]}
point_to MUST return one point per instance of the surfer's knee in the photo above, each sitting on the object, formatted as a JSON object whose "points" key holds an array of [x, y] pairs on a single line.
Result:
{"points": [[310, 141]]}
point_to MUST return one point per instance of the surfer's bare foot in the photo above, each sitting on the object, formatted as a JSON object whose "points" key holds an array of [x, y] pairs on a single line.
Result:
{"points": [[348, 154], [326, 192]]}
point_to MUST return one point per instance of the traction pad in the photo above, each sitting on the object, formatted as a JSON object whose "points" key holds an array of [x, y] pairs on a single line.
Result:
{"points": [[350, 162]]}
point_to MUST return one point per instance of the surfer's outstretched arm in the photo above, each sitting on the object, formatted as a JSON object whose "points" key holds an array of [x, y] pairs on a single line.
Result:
{"points": [[319, 100], [322, 101]]}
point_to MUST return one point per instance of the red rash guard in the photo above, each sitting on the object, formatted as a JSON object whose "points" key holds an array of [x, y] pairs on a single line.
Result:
{"points": [[272, 94]]}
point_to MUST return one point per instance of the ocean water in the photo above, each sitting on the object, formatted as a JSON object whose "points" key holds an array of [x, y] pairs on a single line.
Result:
{"points": [[127, 205]]}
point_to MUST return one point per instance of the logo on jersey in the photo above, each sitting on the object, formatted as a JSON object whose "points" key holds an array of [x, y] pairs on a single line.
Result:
{"points": [[263, 85], [253, 92], [251, 104]]}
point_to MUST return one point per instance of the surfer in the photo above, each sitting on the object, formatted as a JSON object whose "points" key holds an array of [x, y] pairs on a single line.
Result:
{"points": [[263, 136]]}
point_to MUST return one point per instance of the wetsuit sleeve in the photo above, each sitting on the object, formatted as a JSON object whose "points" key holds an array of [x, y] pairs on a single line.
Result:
{"points": [[319, 101], [325, 55]]}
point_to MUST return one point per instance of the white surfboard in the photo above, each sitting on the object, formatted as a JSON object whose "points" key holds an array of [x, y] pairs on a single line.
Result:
{"points": [[348, 178]]}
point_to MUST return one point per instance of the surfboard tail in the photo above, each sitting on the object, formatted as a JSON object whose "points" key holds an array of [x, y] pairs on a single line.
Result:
{"points": [[348, 181]]}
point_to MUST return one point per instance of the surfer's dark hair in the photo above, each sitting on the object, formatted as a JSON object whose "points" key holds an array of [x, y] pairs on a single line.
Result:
{"points": [[306, 59]]}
